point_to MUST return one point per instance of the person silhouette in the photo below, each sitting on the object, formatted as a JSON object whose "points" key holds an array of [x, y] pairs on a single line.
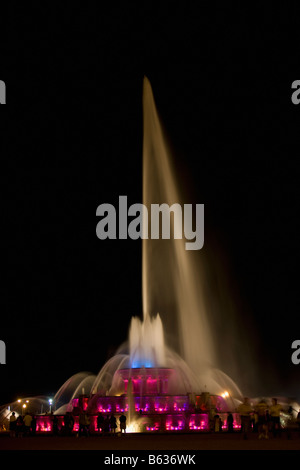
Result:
{"points": [[122, 420]]}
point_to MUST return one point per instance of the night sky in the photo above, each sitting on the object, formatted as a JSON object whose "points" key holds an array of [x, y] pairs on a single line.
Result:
{"points": [[72, 133]]}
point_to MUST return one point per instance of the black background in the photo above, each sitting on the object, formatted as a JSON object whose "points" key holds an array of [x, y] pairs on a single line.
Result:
{"points": [[72, 134]]}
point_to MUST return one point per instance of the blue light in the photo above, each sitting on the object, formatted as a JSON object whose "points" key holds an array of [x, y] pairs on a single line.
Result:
{"points": [[137, 364]]}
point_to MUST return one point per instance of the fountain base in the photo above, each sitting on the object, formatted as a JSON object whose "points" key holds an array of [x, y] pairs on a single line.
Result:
{"points": [[143, 396]]}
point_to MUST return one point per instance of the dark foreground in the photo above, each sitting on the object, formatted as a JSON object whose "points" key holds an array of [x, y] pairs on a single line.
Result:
{"points": [[147, 442]]}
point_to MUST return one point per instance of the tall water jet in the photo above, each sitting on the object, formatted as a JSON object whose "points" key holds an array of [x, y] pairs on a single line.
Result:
{"points": [[146, 342], [131, 415], [172, 284]]}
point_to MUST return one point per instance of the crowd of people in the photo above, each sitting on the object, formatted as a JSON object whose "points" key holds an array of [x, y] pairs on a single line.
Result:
{"points": [[261, 419], [104, 424], [20, 426]]}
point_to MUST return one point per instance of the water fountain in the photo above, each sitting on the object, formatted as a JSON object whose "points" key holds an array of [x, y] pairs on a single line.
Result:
{"points": [[157, 386], [160, 387]]}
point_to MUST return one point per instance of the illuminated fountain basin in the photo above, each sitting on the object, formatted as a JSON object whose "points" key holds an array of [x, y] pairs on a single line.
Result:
{"points": [[154, 408], [149, 406], [145, 398], [164, 397]]}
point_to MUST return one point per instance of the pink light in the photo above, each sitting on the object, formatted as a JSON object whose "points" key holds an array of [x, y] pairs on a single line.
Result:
{"points": [[173, 428], [104, 410], [45, 428], [85, 404], [75, 402], [153, 428]]}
